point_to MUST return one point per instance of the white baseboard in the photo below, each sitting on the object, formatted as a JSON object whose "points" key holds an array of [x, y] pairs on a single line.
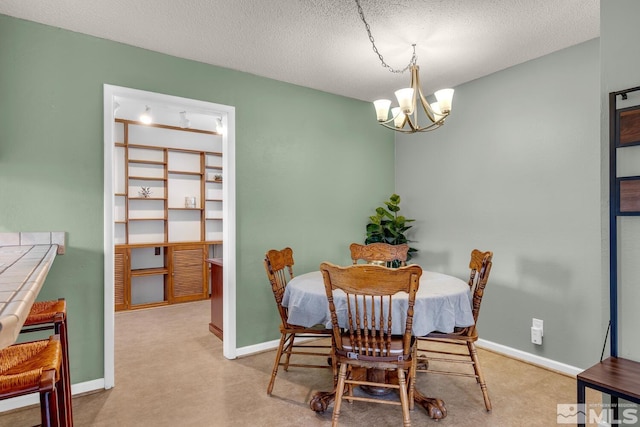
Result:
{"points": [[34, 399], [257, 348], [530, 358], [265, 346]]}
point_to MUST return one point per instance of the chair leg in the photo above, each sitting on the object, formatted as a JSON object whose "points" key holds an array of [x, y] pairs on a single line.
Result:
{"points": [[61, 329], [274, 372], [412, 376], [288, 348], [342, 376], [404, 398], [49, 408], [479, 376]]}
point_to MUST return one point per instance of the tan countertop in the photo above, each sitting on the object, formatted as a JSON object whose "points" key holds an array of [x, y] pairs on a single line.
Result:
{"points": [[25, 260]]}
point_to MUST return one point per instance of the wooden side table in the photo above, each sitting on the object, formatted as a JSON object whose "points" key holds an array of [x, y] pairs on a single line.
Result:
{"points": [[216, 296], [618, 377]]}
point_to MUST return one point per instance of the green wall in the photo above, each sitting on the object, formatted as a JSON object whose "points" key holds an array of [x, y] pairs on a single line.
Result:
{"points": [[310, 166], [516, 170]]}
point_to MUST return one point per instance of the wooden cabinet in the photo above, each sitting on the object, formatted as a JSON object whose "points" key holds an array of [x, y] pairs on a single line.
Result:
{"points": [[216, 296], [189, 273], [121, 278], [168, 212]]}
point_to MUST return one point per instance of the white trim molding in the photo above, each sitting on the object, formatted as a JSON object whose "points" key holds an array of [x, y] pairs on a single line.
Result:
{"points": [[529, 358]]}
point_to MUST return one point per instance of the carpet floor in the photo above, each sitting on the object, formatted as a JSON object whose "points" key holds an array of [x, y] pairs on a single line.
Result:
{"points": [[170, 372]]}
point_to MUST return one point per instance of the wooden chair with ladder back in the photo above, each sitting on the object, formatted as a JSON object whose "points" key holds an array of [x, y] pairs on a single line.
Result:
{"points": [[435, 346], [279, 267], [379, 253], [369, 333]]}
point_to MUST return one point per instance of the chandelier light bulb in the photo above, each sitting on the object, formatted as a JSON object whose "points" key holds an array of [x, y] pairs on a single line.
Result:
{"points": [[398, 117], [405, 99], [437, 112], [444, 97], [382, 109]]}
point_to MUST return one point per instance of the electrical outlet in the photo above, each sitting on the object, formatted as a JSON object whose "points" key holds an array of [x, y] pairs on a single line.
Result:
{"points": [[536, 335], [539, 324]]}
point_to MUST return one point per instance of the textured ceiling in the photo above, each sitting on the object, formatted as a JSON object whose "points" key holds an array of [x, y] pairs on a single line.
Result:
{"points": [[322, 44]]}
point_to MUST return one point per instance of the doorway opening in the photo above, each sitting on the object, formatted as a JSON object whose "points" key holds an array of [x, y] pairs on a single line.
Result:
{"points": [[123, 103]]}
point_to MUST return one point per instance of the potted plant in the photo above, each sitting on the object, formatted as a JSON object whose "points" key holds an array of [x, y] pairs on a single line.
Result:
{"points": [[386, 226]]}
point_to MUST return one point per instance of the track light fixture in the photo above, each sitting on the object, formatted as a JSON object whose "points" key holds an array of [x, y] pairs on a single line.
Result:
{"points": [[146, 117], [184, 121]]}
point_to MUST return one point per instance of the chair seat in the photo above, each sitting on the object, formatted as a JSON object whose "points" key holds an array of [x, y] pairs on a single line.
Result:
{"points": [[458, 334], [315, 329], [45, 312], [22, 365]]}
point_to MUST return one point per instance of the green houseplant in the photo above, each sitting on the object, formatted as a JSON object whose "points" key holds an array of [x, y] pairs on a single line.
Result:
{"points": [[386, 226]]}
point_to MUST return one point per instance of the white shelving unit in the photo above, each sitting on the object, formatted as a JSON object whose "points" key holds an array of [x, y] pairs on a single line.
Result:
{"points": [[168, 212]]}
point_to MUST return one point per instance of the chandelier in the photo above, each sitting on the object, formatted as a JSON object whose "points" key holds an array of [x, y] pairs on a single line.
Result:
{"points": [[404, 118]]}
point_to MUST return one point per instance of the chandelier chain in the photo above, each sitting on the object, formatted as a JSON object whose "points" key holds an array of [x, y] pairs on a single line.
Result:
{"points": [[375, 48]]}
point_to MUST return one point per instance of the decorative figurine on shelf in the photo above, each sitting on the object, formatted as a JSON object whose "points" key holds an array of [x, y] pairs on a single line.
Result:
{"points": [[145, 192], [217, 177]]}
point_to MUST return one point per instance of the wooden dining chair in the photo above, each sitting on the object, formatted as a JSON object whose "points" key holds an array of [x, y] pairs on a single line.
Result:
{"points": [[458, 347], [364, 331], [381, 252], [279, 267]]}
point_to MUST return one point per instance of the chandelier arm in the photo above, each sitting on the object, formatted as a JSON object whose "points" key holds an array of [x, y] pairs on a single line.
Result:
{"points": [[418, 88], [413, 127], [429, 128]]}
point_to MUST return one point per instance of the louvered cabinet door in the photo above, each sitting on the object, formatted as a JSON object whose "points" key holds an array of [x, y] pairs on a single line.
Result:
{"points": [[121, 281], [189, 273]]}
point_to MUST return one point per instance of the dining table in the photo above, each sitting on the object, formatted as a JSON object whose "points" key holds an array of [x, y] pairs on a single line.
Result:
{"points": [[443, 302]]}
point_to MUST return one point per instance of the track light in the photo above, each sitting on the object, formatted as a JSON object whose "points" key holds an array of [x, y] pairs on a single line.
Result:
{"points": [[184, 121], [146, 116], [219, 125]]}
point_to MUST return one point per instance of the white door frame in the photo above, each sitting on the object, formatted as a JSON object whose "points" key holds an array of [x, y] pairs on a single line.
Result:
{"points": [[229, 214]]}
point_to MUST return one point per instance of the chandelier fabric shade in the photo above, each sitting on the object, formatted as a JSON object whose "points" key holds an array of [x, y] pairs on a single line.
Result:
{"points": [[405, 117]]}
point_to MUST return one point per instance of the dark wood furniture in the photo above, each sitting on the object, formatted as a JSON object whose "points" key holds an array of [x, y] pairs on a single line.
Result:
{"points": [[382, 252], [368, 338], [216, 266], [36, 367], [278, 265], [618, 377], [480, 267]]}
